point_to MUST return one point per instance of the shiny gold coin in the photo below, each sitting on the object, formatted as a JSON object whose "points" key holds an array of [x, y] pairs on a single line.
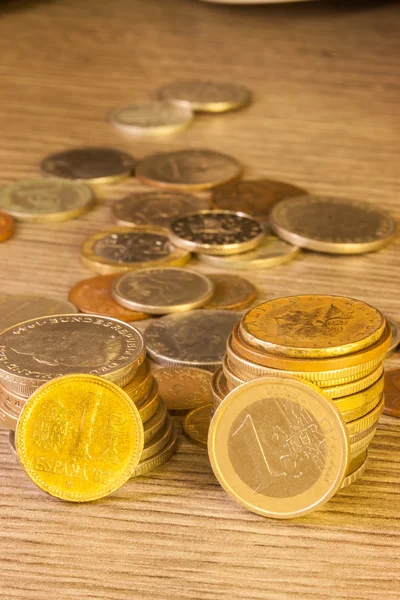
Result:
{"points": [[159, 459], [312, 326], [347, 389], [149, 405], [159, 441], [355, 475], [17, 308], [79, 438], [196, 425], [395, 336], [356, 462], [361, 399], [140, 386], [188, 170], [278, 447], [206, 96], [44, 200], [153, 425], [7, 225], [360, 441], [219, 387], [152, 117], [333, 225], [362, 411], [367, 420], [162, 290], [231, 292], [184, 388], [92, 165], [127, 248]]}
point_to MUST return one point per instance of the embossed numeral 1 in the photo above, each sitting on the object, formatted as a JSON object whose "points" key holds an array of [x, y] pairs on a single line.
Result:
{"points": [[84, 433]]}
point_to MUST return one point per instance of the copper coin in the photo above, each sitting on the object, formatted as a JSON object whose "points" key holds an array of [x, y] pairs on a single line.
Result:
{"points": [[184, 388], [231, 292], [392, 393], [6, 226], [93, 296]]}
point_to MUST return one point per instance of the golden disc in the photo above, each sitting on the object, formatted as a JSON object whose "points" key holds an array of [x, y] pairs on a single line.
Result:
{"points": [[158, 459], [196, 425]]}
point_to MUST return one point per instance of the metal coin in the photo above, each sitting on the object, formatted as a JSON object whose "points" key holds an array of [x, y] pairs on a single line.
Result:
{"points": [[392, 393], [149, 405], [362, 398], [231, 292], [155, 423], [160, 458], [338, 391], [152, 117], [196, 425], [206, 96], [140, 386], [395, 336], [159, 441], [219, 387], [358, 413], [11, 405], [184, 388], [17, 308], [355, 475], [6, 226]]}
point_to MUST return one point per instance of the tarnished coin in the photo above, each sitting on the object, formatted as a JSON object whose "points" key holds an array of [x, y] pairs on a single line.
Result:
{"points": [[152, 117], [392, 393], [43, 200], [93, 296], [184, 388], [219, 387], [162, 290], [95, 165], [278, 447], [159, 441], [196, 425], [395, 336], [188, 169], [41, 349], [159, 459], [333, 225], [206, 96], [216, 232], [17, 308], [79, 438], [193, 339], [154, 208], [254, 197], [7, 226], [126, 248], [231, 292]]}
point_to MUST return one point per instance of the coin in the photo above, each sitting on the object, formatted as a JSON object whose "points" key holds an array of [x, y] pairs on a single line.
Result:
{"points": [[355, 475], [43, 200], [126, 248], [188, 169], [271, 253], [362, 411], [219, 387], [93, 296], [41, 349], [312, 326], [149, 405], [155, 423], [11, 405], [158, 459], [333, 225], [194, 339], [356, 462], [17, 308], [196, 425], [153, 208], [278, 447], [6, 226], [206, 96], [360, 443], [338, 391], [159, 441], [395, 336], [216, 232], [362, 398], [162, 290], [231, 292], [139, 387], [94, 165], [367, 420], [392, 393], [151, 117], [184, 388], [254, 197]]}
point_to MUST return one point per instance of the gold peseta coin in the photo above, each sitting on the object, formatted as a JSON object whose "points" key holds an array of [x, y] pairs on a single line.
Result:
{"points": [[79, 438], [153, 117], [196, 425], [251, 449], [206, 96]]}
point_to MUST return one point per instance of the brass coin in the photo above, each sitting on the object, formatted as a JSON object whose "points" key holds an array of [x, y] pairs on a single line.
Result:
{"points": [[151, 118], [159, 441], [312, 326], [7, 225], [155, 423], [162, 290], [332, 225], [392, 393], [360, 441], [140, 386], [395, 336], [356, 462], [362, 398], [126, 248], [158, 459], [254, 197], [206, 96], [355, 475], [216, 232], [362, 411], [93, 165], [17, 308], [41, 349], [347, 389], [93, 296], [44, 200], [184, 388], [367, 420], [149, 405], [156, 209], [278, 447], [219, 387], [196, 425], [188, 170], [231, 292]]}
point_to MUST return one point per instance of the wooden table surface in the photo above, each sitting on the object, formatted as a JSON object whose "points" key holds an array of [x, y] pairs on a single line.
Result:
{"points": [[325, 116]]}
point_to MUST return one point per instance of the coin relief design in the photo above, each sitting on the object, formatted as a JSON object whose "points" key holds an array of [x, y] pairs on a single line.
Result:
{"points": [[196, 425], [231, 292], [207, 96], [151, 117], [153, 208], [184, 388]]}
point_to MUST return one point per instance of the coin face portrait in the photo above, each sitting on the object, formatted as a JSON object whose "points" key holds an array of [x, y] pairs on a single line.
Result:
{"points": [[132, 247]]}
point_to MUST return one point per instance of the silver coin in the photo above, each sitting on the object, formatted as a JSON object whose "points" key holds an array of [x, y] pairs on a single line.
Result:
{"points": [[395, 336], [17, 308], [152, 117]]}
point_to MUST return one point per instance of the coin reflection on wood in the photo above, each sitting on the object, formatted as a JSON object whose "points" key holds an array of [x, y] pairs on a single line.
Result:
{"points": [[152, 117], [184, 388], [231, 292], [206, 96], [196, 425]]}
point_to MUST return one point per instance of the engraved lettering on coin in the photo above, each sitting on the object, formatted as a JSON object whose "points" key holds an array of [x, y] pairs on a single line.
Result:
{"points": [[208, 96], [153, 208], [133, 247]]}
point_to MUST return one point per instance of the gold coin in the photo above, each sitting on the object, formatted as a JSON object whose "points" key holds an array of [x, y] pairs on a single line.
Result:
{"points": [[79, 438], [231, 292], [149, 405], [158, 459], [152, 117], [188, 170], [347, 389], [367, 420], [206, 96], [140, 386], [127, 248], [358, 413], [333, 225], [216, 232], [17, 308], [38, 350], [219, 387], [162, 290], [92, 165], [395, 336], [356, 462], [196, 425], [153, 425], [159, 441], [312, 326], [361, 399], [349, 479], [44, 200], [279, 447], [359, 444], [184, 388]]}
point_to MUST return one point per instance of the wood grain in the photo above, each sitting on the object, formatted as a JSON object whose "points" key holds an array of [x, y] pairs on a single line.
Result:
{"points": [[326, 117]]}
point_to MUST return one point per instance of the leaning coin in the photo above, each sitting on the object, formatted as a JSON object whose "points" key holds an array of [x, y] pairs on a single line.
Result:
{"points": [[93, 165], [158, 459], [332, 225], [7, 226], [247, 446], [392, 393], [44, 200], [162, 290], [193, 339], [17, 308], [231, 292], [188, 169], [184, 388], [395, 336], [152, 117], [196, 425], [206, 96]]}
